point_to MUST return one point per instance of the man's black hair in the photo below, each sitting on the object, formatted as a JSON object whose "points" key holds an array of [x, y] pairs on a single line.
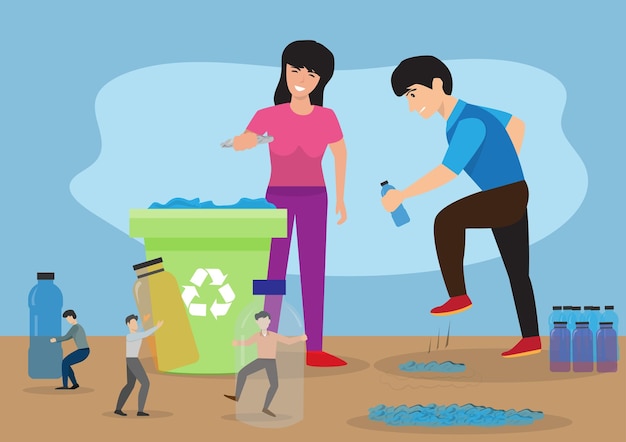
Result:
{"points": [[262, 314], [71, 313], [131, 317], [420, 70]]}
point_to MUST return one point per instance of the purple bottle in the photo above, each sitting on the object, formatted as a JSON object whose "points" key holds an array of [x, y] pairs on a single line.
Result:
{"points": [[607, 348], [560, 345], [582, 348]]}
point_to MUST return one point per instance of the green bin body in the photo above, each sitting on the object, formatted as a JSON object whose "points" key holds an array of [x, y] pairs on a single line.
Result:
{"points": [[213, 243]]}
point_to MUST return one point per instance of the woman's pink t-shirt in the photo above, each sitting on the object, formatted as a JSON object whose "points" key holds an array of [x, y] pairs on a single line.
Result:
{"points": [[299, 142]]}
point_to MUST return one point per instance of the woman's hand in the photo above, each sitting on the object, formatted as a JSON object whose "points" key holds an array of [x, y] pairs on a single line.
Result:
{"points": [[341, 210], [246, 140]]}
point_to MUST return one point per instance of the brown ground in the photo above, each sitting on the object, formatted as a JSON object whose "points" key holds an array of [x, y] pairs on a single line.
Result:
{"points": [[577, 406]]}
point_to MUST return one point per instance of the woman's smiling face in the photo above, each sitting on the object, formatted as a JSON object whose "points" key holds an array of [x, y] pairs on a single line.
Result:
{"points": [[301, 81]]}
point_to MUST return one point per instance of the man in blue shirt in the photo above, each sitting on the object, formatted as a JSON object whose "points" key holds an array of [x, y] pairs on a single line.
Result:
{"points": [[484, 143]]}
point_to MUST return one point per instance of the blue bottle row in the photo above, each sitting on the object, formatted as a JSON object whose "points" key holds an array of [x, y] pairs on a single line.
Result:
{"points": [[580, 350]]}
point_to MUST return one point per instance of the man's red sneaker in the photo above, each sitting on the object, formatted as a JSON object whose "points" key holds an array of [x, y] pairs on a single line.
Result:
{"points": [[525, 347], [456, 304], [323, 359]]}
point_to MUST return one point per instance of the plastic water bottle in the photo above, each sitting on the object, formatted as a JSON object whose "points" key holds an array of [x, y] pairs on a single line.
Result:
{"points": [[556, 315], [607, 348], [400, 216], [582, 351], [45, 302], [574, 317], [589, 315], [560, 345], [609, 315]]}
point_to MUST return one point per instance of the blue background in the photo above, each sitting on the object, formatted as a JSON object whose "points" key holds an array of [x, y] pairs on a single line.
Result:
{"points": [[57, 56]]}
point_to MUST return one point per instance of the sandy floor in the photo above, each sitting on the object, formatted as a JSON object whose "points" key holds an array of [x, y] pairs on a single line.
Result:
{"points": [[577, 406]]}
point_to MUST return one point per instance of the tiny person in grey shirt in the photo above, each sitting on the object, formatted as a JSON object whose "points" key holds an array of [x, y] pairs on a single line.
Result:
{"points": [[134, 369], [76, 332]]}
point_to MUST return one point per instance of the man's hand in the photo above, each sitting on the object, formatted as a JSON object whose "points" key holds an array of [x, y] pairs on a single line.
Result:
{"points": [[304, 337], [160, 323], [392, 199], [53, 340]]}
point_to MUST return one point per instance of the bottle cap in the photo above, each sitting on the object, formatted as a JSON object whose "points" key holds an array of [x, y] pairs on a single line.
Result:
{"points": [[576, 307], [557, 307], [147, 263], [567, 307], [45, 276], [609, 307], [588, 307], [582, 323], [596, 307], [384, 183], [560, 322], [606, 323]]}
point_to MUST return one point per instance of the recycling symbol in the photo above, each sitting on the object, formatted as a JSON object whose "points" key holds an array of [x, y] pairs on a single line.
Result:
{"points": [[190, 293]]}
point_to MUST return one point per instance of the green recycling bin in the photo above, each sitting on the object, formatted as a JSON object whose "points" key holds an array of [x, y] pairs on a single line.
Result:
{"points": [[215, 254]]}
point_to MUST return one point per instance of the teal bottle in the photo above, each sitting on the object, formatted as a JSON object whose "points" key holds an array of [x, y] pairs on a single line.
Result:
{"points": [[45, 302], [556, 315], [574, 317]]}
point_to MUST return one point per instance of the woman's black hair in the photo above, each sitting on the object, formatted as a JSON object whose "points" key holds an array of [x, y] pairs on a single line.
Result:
{"points": [[420, 70], [315, 57]]}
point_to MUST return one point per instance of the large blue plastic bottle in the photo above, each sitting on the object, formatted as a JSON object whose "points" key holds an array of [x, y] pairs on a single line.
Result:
{"points": [[45, 302], [607, 348], [560, 345], [582, 348], [400, 216]]}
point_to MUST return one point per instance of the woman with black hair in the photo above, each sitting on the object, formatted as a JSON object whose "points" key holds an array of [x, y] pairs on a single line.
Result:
{"points": [[302, 129]]}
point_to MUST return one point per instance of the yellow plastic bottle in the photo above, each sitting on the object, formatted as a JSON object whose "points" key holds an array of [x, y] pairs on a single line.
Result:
{"points": [[174, 344]]}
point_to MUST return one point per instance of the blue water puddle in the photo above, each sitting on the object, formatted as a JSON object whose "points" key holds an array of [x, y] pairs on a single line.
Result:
{"points": [[433, 415], [432, 367], [195, 203]]}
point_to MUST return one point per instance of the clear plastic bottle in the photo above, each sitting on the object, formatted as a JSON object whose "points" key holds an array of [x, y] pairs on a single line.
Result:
{"points": [[560, 345], [45, 302], [400, 215], [288, 402], [582, 348], [556, 315], [607, 348]]}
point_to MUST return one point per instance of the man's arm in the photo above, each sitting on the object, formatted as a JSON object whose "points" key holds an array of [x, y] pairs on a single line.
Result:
{"points": [[251, 340], [515, 128], [290, 340], [69, 335], [439, 176]]}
